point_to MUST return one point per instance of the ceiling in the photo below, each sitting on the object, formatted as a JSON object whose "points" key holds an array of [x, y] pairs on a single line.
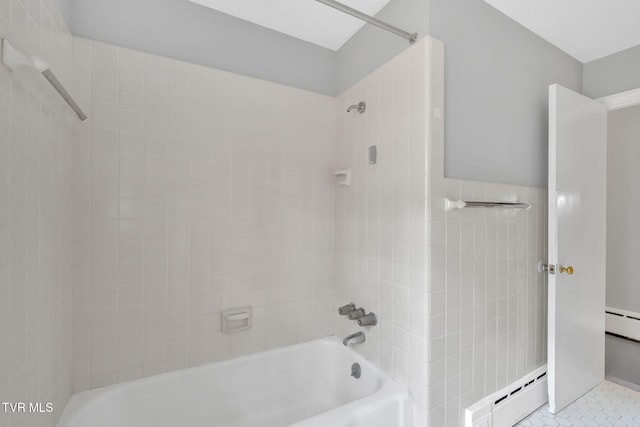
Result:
{"points": [[585, 29], [304, 19]]}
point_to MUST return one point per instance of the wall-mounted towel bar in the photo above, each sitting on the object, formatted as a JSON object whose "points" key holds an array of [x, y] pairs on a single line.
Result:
{"points": [[460, 204], [12, 58]]}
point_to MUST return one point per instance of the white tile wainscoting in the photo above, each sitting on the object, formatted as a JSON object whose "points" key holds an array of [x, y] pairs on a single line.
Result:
{"points": [[487, 300]]}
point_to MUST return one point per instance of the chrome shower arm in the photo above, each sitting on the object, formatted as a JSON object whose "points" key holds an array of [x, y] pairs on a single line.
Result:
{"points": [[360, 106]]}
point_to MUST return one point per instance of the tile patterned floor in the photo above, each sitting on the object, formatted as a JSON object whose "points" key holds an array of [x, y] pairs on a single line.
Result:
{"points": [[607, 405]]}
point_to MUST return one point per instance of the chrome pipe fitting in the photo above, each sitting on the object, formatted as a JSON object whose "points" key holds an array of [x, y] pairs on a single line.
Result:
{"points": [[368, 320], [360, 107]]}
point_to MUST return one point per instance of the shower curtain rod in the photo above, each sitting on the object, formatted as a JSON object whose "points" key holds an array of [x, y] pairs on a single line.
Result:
{"points": [[12, 58], [412, 37]]}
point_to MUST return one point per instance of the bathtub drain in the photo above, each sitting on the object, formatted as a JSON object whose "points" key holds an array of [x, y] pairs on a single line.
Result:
{"points": [[356, 371]]}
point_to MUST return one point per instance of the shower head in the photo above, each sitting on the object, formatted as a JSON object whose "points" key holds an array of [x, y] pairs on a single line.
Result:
{"points": [[361, 106]]}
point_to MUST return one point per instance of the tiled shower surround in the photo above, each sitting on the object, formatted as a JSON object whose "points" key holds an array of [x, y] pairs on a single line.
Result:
{"points": [[35, 216], [201, 190]]}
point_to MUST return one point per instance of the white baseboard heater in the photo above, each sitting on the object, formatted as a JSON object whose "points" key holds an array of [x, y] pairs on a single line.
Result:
{"points": [[506, 407], [622, 323]]}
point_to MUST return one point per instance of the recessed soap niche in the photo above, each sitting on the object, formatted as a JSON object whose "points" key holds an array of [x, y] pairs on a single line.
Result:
{"points": [[236, 320]]}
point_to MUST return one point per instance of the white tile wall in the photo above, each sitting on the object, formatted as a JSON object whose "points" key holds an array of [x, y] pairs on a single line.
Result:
{"points": [[199, 190], [381, 220], [487, 303], [35, 216]]}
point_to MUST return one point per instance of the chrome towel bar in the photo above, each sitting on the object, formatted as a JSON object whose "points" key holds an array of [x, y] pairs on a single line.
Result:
{"points": [[461, 204]]}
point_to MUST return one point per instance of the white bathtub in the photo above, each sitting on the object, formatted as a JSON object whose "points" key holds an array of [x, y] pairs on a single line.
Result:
{"points": [[305, 385]]}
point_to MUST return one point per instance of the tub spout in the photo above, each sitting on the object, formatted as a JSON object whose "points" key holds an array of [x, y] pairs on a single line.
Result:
{"points": [[356, 338]]}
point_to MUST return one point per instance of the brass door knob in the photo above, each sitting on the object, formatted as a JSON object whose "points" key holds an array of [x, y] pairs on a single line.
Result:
{"points": [[568, 270]]}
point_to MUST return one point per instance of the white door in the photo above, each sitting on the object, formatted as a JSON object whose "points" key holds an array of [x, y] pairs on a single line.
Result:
{"points": [[577, 244]]}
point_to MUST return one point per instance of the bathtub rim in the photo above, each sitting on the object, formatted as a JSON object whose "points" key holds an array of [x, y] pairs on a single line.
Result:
{"points": [[82, 401]]}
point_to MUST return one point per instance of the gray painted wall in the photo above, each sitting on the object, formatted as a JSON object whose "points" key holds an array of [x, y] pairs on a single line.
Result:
{"points": [[623, 205], [169, 28], [371, 47], [193, 33], [497, 78], [612, 74], [622, 359]]}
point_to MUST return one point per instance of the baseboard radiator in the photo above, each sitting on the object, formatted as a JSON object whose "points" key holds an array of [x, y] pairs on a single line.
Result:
{"points": [[622, 323], [506, 407]]}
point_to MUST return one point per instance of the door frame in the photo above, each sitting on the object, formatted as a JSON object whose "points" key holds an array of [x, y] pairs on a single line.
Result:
{"points": [[617, 101]]}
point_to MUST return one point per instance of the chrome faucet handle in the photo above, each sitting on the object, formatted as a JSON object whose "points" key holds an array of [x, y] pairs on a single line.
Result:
{"points": [[356, 314], [346, 309], [368, 320]]}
